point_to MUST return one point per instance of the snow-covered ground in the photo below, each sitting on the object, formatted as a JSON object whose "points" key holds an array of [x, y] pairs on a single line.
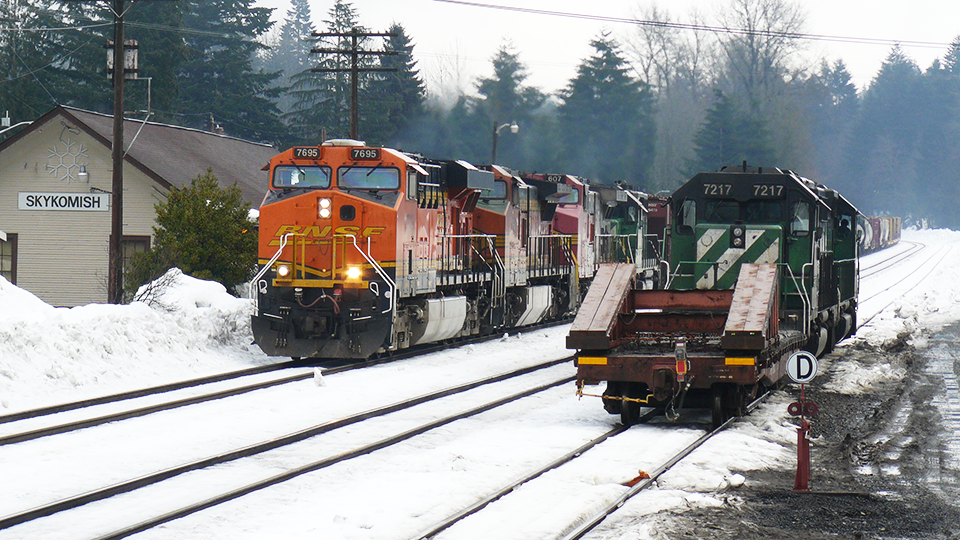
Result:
{"points": [[52, 355]]}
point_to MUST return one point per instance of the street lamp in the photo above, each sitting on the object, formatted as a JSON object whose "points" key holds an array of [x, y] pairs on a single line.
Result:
{"points": [[514, 128]]}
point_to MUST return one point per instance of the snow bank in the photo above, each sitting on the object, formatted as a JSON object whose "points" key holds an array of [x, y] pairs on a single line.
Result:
{"points": [[187, 328]]}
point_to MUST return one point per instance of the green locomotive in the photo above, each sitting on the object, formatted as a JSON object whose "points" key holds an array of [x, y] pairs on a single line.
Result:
{"points": [[762, 263]]}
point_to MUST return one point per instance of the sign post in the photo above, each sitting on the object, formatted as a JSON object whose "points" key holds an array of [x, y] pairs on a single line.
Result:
{"points": [[802, 368]]}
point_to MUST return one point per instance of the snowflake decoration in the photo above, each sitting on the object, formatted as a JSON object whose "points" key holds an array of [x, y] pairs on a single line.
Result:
{"points": [[64, 164]]}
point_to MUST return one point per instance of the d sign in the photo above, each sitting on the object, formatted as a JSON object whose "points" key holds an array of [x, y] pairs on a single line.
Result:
{"points": [[802, 367]]}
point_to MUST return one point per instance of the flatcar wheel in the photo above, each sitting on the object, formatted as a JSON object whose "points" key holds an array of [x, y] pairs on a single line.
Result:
{"points": [[717, 410], [630, 410]]}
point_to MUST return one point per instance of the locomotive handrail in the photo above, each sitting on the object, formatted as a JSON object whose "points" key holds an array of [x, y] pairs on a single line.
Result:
{"points": [[802, 293], [256, 280], [498, 269], [382, 274]]}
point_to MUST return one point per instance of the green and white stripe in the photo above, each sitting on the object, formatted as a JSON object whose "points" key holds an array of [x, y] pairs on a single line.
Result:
{"points": [[713, 246]]}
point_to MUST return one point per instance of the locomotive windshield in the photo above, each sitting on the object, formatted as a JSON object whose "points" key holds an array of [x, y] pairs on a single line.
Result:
{"points": [[572, 197], [296, 176], [499, 191], [760, 212], [377, 178]]}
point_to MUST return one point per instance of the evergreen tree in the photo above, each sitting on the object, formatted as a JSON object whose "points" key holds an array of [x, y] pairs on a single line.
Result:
{"points": [[503, 99], [830, 104], [399, 96], [730, 136], [291, 56], [204, 230], [219, 86], [161, 51], [322, 100], [30, 84], [883, 145], [951, 61], [938, 145], [606, 120]]}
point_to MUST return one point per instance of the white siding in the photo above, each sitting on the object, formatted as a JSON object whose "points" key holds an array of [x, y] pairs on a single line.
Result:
{"points": [[63, 255]]}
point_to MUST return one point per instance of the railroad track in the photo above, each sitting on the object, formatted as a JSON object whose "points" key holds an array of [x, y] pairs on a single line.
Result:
{"points": [[939, 254], [51, 510], [879, 266], [586, 525], [13, 434]]}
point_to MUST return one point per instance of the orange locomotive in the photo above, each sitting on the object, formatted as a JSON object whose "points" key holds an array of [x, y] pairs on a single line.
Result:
{"points": [[365, 250]]}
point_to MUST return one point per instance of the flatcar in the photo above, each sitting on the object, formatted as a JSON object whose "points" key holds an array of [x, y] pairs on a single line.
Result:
{"points": [[366, 250], [762, 263]]}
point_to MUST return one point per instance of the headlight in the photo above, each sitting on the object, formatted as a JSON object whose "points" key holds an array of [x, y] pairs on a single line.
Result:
{"points": [[353, 272], [324, 207], [324, 213], [283, 271]]}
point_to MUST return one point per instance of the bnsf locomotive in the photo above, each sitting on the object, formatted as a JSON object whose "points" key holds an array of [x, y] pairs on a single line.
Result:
{"points": [[367, 250], [762, 263]]}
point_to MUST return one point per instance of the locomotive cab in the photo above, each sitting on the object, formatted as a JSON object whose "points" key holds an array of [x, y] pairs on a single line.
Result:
{"points": [[768, 216]]}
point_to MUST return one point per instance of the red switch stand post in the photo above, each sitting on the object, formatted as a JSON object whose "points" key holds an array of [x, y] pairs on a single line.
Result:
{"points": [[803, 448], [802, 368]]}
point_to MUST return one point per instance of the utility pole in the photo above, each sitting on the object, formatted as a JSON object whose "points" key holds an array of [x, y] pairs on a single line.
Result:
{"points": [[354, 70], [115, 256], [115, 275]]}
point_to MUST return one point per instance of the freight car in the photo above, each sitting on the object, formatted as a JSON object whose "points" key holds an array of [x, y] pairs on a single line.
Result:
{"points": [[877, 232], [762, 264], [365, 250]]}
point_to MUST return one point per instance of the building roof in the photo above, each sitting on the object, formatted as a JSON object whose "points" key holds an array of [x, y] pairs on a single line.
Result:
{"points": [[172, 155]]}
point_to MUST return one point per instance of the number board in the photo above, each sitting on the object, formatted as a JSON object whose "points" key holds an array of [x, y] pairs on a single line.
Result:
{"points": [[364, 153], [717, 190], [308, 152], [555, 178], [768, 191]]}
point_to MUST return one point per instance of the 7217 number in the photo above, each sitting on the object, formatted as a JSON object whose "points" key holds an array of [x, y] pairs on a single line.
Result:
{"points": [[767, 190], [716, 190]]}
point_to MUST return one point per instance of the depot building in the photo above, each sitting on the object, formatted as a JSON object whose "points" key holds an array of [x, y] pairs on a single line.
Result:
{"points": [[56, 178]]}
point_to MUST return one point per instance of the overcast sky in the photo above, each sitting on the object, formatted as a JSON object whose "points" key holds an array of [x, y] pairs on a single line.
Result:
{"points": [[455, 43]]}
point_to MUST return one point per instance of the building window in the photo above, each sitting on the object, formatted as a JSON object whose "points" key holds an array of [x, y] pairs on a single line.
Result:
{"points": [[8, 258], [131, 245]]}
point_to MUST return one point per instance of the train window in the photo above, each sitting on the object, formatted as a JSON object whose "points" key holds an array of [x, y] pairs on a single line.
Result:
{"points": [[800, 219], [687, 217], [763, 212], [356, 177], [721, 211], [297, 176], [566, 198], [499, 191], [412, 184], [844, 230]]}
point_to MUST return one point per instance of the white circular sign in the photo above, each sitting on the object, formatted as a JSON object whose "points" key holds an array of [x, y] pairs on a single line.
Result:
{"points": [[802, 367]]}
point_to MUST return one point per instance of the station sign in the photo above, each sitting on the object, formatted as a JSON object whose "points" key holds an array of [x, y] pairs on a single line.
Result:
{"points": [[76, 202]]}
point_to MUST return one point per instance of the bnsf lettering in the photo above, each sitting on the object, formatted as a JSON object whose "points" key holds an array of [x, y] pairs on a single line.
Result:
{"points": [[316, 232], [66, 202]]}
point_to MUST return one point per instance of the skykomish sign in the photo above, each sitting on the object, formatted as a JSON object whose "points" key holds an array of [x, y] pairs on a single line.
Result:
{"points": [[81, 202]]}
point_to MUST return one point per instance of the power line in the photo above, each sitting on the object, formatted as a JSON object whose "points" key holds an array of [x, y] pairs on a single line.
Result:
{"points": [[700, 27]]}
